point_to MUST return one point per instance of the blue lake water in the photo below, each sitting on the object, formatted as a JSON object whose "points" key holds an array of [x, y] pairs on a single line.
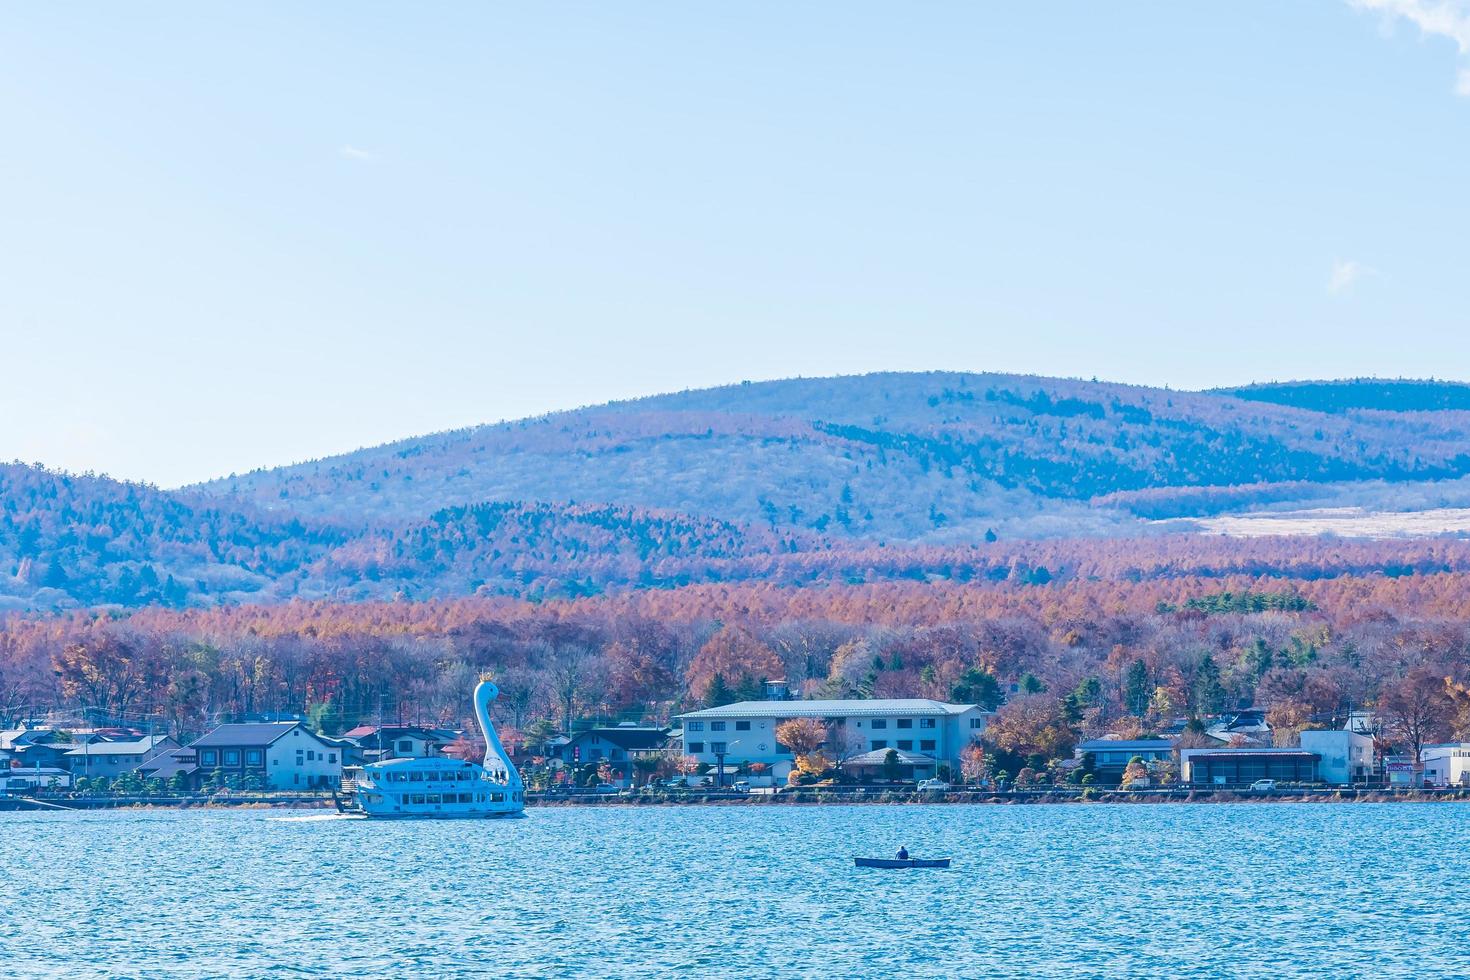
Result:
{"points": [[1095, 890]]}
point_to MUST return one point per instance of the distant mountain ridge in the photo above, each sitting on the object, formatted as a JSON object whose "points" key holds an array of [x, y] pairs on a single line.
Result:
{"points": [[802, 481], [1402, 395], [936, 456]]}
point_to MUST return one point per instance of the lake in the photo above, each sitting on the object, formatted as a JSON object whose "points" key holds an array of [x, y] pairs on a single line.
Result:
{"points": [[1044, 890]]}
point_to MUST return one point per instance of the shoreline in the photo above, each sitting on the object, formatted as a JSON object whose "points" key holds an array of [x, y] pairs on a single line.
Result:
{"points": [[797, 798]]}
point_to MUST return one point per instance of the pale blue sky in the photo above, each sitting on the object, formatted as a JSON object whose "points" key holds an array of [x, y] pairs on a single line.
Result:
{"points": [[242, 235]]}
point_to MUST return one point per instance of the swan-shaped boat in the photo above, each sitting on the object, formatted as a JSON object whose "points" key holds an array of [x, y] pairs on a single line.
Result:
{"points": [[441, 787]]}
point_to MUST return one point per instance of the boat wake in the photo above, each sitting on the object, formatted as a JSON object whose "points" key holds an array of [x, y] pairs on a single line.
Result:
{"points": [[315, 817]]}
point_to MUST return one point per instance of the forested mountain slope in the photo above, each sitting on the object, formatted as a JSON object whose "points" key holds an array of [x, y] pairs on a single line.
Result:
{"points": [[911, 477], [936, 456]]}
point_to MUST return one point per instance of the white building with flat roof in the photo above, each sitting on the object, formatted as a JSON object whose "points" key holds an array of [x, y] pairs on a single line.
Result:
{"points": [[1447, 764], [745, 732], [1347, 756]]}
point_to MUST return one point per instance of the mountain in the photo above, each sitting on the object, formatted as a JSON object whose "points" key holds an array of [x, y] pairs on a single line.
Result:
{"points": [[1361, 394], [898, 457], [790, 483]]}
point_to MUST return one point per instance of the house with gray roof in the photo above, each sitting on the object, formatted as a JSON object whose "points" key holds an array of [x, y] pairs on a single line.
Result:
{"points": [[111, 759], [279, 755]]}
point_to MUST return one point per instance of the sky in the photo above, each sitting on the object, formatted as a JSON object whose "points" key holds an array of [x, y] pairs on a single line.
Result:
{"points": [[235, 236]]}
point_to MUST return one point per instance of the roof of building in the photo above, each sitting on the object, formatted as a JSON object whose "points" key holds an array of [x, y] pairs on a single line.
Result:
{"points": [[34, 771], [877, 707], [1232, 753], [166, 764], [1125, 745], [624, 737], [141, 746], [878, 757], [28, 736], [397, 731], [253, 733]]}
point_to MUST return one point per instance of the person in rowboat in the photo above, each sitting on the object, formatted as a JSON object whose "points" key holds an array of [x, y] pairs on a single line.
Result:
{"points": [[903, 853]]}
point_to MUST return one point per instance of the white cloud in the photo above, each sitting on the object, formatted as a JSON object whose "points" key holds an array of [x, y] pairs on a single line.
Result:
{"points": [[1435, 18], [354, 152], [1345, 272]]}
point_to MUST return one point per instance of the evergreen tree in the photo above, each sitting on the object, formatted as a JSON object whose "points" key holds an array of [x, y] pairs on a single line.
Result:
{"points": [[1209, 693], [718, 693], [1135, 688], [976, 686]]}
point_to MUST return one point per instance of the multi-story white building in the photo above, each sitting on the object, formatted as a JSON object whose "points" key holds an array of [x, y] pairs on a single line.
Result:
{"points": [[745, 732], [1347, 756], [1446, 765]]}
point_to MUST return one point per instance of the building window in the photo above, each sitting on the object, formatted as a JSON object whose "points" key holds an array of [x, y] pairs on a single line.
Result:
{"points": [[252, 757], [976, 723], [926, 745], [742, 726], [905, 745], [717, 726], [694, 726], [310, 755], [905, 723], [331, 757], [880, 723], [878, 743], [926, 722], [696, 746], [405, 745], [232, 757], [718, 748]]}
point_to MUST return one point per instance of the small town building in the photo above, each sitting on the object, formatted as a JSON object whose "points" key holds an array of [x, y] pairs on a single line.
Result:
{"points": [[179, 765], [745, 732], [28, 748], [282, 755], [1235, 768], [1110, 756], [1447, 764], [619, 747], [375, 743], [906, 766], [1347, 757], [33, 779], [1245, 725], [111, 759]]}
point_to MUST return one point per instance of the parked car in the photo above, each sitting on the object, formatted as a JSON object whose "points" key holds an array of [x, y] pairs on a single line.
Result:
{"points": [[933, 785], [1263, 786], [741, 786], [674, 784]]}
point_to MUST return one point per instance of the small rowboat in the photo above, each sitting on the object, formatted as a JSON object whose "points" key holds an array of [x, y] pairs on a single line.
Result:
{"points": [[904, 863]]}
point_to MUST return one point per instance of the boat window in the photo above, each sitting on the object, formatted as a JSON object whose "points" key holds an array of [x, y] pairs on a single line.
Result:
{"points": [[415, 777], [432, 798], [417, 798], [497, 797]]}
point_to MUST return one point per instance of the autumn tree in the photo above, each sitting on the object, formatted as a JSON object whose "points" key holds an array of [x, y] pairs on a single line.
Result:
{"points": [[1033, 725], [735, 652], [805, 737], [1419, 711]]}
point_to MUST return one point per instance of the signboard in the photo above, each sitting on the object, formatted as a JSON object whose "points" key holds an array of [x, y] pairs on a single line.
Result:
{"points": [[1398, 766]]}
